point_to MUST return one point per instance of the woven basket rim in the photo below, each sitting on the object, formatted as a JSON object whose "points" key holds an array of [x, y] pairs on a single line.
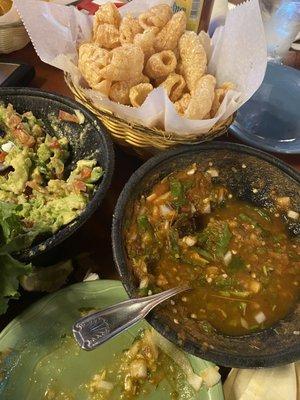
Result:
{"points": [[158, 133], [17, 24]]}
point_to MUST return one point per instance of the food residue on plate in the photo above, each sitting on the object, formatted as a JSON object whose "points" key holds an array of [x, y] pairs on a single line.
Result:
{"points": [[142, 367], [149, 365]]}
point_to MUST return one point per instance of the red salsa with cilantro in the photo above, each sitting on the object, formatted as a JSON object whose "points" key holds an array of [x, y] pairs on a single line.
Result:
{"points": [[238, 258]]}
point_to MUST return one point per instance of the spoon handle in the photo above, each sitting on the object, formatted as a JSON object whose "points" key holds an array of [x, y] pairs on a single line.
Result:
{"points": [[95, 329]]}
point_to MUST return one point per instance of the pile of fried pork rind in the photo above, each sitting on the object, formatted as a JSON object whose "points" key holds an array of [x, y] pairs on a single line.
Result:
{"points": [[128, 57]]}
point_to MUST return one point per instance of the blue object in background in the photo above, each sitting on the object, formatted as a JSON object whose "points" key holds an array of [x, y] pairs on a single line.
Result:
{"points": [[270, 120]]}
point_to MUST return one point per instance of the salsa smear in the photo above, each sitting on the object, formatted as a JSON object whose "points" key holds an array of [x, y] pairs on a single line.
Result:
{"points": [[238, 258], [151, 363]]}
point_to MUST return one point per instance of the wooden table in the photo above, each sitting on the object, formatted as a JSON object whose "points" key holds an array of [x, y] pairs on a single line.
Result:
{"points": [[94, 237]]}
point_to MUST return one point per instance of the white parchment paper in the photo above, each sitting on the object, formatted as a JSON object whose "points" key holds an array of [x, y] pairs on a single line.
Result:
{"points": [[238, 55], [11, 17]]}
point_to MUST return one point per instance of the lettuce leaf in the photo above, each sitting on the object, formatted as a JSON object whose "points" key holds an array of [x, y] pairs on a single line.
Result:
{"points": [[13, 238], [11, 271], [19, 243], [9, 221], [3, 305]]}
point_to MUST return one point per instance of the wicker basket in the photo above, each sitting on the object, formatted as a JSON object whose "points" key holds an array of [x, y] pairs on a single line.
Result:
{"points": [[138, 139], [13, 37]]}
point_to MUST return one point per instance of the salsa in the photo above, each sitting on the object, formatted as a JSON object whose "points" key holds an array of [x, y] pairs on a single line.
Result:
{"points": [[239, 259]]}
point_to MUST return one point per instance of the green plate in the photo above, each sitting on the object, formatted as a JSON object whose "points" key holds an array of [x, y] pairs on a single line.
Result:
{"points": [[38, 351]]}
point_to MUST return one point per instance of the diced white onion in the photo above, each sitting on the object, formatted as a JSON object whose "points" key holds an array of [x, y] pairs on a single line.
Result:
{"points": [[165, 210], [260, 317], [194, 380], [80, 116], [227, 258], [213, 172], [254, 286], [91, 277], [162, 197], [133, 237], [283, 201], [191, 171], [138, 369], [144, 283], [149, 339], [210, 376], [206, 209], [127, 383], [244, 323], [105, 385], [293, 214], [151, 197], [222, 312], [155, 212], [189, 240], [7, 146]]}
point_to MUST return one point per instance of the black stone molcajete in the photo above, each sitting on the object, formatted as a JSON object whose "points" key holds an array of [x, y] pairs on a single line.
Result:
{"points": [[86, 140], [277, 345]]}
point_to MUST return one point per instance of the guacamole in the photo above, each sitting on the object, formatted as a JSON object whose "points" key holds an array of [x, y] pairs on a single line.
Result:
{"points": [[33, 177]]}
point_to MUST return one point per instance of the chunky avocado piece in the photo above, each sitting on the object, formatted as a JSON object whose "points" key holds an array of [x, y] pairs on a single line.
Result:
{"points": [[43, 153], [52, 215], [20, 161], [95, 175], [7, 196]]}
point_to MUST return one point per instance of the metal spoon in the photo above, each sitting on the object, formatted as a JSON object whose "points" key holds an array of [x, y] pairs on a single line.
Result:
{"points": [[95, 329]]}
